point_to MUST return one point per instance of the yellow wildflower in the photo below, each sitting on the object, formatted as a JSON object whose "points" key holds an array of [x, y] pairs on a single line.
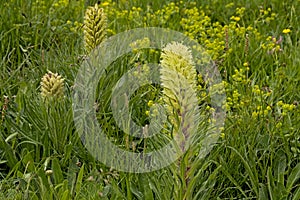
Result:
{"points": [[286, 31]]}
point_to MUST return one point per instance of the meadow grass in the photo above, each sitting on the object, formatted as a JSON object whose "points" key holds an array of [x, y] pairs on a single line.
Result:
{"points": [[254, 44]]}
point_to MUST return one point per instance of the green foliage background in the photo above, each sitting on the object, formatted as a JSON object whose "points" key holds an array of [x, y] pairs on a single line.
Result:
{"points": [[256, 46]]}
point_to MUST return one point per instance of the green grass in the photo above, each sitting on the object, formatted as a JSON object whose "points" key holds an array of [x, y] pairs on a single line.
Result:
{"points": [[257, 155]]}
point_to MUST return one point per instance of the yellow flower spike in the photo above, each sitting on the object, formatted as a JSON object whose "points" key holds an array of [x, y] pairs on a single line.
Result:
{"points": [[177, 63], [52, 86], [95, 26]]}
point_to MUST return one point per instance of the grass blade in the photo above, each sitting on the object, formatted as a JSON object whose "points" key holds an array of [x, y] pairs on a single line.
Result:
{"points": [[79, 181], [253, 179], [57, 172], [293, 177]]}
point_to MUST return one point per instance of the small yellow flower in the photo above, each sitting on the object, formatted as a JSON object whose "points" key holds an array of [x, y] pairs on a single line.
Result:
{"points": [[222, 135], [147, 112], [207, 107], [279, 125], [280, 103], [229, 5], [105, 3], [291, 107], [150, 103], [284, 113], [236, 18], [254, 115], [286, 31]]}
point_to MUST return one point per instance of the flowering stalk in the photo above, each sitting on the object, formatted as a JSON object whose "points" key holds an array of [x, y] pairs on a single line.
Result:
{"points": [[177, 73], [178, 77], [94, 27], [52, 86]]}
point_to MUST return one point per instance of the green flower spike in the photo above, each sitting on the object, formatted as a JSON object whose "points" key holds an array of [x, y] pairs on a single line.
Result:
{"points": [[178, 76], [94, 27], [52, 86]]}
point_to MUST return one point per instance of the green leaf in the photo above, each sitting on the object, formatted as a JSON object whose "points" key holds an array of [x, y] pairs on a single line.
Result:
{"points": [[280, 166], [144, 182], [79, 181], [271, 184], [263, 192], [253, 179], [196, 178], [207, 186], [67, 153], [224, 170], [293, 177], [62, 187], [71, 175], [11, 136], [46, 163], [9, 153], [28, 161], [138, 194], [57, 172], [66, 195], [43, 181], [296, 194]]}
